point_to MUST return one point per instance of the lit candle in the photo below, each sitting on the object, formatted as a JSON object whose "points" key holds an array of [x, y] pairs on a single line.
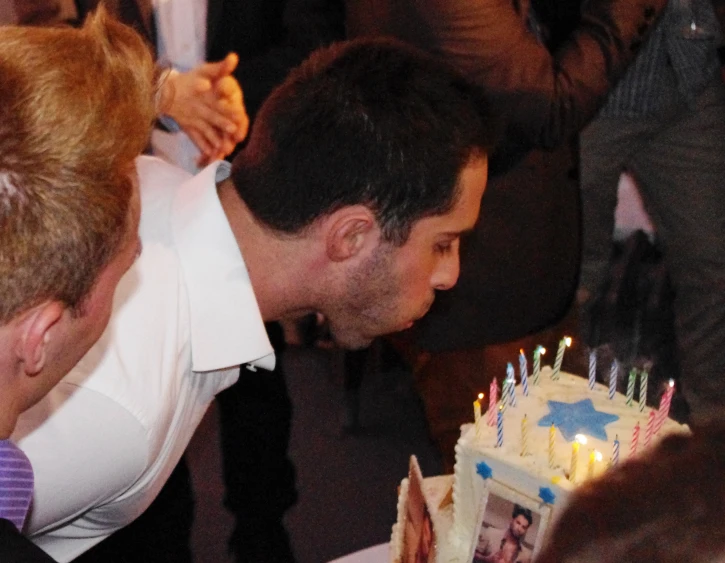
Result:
{"points": [[552, 437], [492, 400], [524, 436], [594, 456], [592, 368], [635, 440], [615, 451], [665, 402], [643, 376], [477, 413], [524, 370], [630, 386], [579, 439], [650, 428], [613, 378], [538, 352], [563, 343], [499, 427]]}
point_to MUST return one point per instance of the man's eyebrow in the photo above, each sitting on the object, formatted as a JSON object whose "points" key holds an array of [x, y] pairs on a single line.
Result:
{"points": [[456, 234]]}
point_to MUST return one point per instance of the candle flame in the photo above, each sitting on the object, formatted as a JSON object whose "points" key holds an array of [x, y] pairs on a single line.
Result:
{"points": [[542, 350], [567, 341], [581, 438], [598, 456], [480, 396], [672, 382]]}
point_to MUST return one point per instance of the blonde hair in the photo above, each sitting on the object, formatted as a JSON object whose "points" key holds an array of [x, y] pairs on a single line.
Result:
{"points": [[76, 109]]}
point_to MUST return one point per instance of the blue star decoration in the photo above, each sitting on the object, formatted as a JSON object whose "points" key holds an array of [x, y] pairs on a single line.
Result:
{"points": [[546, 495], [484, 470], [578, 418]]}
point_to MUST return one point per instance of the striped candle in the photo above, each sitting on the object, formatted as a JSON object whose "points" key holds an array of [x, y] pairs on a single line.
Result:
{"points": [[665, 402], [613, 378], [524, 436], [524, 370], [630, 386], [538, 352], [574, 461], [512, 384], [477, 413], [552, 438], [635, 440], [504, 395], [650, 428], [592, 368], [492, 400], [615, 451], [563, 343], [643, 376], [499, 428]]}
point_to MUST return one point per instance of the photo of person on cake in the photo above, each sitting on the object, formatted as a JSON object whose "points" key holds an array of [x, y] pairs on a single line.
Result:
{"points": [[506, 545]]}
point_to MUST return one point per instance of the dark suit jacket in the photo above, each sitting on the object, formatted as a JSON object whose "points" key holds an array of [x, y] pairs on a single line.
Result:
{"points": [[270, 36], [519, 268], [15, 548]]}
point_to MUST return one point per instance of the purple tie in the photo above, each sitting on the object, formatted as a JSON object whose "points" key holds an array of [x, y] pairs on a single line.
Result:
{"points": [[16, 483]]}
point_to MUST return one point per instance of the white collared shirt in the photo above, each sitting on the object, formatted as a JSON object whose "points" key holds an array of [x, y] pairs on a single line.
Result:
{"points": [[185, 317]]}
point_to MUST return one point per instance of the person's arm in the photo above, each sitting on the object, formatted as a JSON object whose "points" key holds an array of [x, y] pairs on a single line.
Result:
{"points": [[85, 450], [546, 97]]}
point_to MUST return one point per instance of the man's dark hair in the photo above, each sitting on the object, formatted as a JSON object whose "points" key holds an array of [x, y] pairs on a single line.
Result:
{"points": [[371, 121], [521, 511]]}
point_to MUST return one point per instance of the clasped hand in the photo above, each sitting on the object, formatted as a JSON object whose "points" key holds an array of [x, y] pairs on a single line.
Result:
{"points": [[208, 105]]}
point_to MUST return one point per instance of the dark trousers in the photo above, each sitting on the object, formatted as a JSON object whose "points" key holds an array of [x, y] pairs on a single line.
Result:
{"points": [[255, 415], [678, 160]]}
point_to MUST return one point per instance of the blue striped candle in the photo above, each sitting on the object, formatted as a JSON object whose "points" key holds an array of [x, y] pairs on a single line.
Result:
{"points": [[524, 369], [512, 384], [592, 368], [615, 451], [538, 351], [630, 386], [613, 378], [499, 428]]}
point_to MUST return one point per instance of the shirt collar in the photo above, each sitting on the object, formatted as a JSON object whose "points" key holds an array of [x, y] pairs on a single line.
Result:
{"points": [[226, 325]]}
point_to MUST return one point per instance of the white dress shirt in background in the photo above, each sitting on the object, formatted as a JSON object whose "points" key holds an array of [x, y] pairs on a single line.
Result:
{"points": [[181, 44]]}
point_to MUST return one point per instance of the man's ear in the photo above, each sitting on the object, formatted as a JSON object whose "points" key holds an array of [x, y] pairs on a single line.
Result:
{"points": [[36, 327], [348, 231]]}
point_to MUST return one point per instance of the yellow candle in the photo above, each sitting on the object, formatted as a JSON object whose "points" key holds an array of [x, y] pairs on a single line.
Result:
{"points": [[477, 408], [477, 412], [580, 439], [594, 457], [524, 436], [552, 437]]}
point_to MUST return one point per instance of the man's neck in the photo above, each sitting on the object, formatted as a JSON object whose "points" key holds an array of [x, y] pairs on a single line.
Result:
{"points": [[276, 265]]}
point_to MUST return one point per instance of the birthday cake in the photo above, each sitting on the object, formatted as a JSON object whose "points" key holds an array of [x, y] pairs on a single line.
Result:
{"points": [[517, 464]]}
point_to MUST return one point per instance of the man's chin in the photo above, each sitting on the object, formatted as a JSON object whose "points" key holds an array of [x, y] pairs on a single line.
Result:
{"points": [[350, 340]]}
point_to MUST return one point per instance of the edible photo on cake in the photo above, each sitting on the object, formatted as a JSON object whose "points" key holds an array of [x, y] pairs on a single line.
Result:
{"points": [[510, 526], [419, 538]]}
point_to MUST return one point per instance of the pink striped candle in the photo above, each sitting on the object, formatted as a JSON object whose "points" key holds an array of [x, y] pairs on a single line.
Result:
{"points": [[650, 428], [492, 400], [635, 440], [665, 402]]}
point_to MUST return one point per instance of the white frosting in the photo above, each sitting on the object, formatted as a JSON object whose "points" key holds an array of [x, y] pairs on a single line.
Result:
{"points": [[526, 475]]}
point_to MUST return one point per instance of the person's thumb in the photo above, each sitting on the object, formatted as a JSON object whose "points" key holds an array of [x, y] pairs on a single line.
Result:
{"points": [[215, 71]]}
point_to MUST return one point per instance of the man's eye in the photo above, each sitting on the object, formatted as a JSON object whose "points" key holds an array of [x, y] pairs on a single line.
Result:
{"points": [[444, 248]]}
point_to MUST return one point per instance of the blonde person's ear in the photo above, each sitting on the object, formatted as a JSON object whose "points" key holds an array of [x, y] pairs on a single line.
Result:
{"points": [[36, 326]]}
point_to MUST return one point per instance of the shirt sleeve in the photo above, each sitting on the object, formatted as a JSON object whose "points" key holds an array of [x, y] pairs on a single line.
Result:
{"points": [[85, 450]]}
